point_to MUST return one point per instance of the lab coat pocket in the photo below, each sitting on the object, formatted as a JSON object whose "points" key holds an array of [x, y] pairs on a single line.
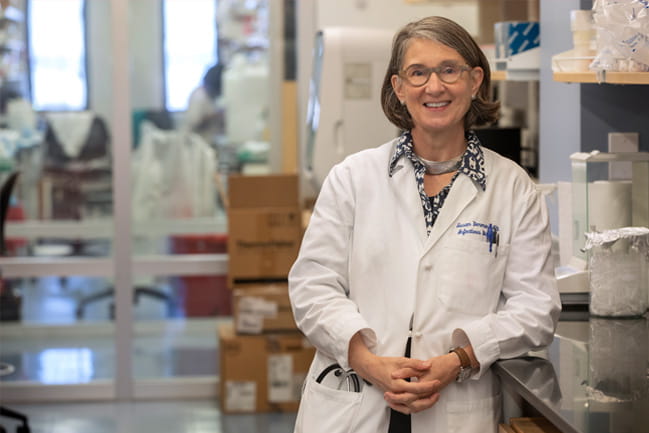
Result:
{"points": [[469, 277], [327, 410], [474, 416]]}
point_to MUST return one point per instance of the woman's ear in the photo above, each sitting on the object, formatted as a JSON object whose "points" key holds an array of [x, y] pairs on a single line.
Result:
{"points": [[397, 86], [477, 75]]}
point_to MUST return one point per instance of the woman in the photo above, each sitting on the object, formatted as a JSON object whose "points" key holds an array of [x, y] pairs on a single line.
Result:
{"points": [[205, 114], [428, 246]]}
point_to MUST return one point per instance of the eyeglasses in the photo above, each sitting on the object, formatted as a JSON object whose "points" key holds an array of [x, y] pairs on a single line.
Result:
{"points": [[418, 75]]}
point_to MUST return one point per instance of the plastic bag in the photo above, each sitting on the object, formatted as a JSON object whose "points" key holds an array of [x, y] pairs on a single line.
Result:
{"points": [[622, 35]]}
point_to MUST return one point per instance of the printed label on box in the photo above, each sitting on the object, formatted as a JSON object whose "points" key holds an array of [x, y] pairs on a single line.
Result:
{"points": [[260, 306], [280, 378], [249, 323], [240, 396]]}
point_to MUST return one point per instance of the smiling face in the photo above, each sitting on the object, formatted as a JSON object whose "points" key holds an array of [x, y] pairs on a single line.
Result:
{"points": [[436, 107]]}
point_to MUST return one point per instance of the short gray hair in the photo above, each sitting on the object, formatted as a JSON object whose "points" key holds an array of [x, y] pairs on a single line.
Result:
{"points": [[483, 109]]}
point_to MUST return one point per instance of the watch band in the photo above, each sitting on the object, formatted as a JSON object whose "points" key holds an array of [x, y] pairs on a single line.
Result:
{"points": [[465, 362]]}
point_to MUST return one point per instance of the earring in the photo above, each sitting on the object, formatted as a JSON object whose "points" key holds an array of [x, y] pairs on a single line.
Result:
{"points": [[473, 97], [402, 102]]}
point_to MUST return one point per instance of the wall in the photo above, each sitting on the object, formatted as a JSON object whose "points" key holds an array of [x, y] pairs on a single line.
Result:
{"points": [[611, 108], [559, 103]]}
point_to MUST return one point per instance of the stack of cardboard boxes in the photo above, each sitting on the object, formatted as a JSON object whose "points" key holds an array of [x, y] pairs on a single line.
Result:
{"points": [[264, 358]]}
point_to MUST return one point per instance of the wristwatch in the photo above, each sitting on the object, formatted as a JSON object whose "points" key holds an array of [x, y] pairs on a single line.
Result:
{"points": [[465, 364]]}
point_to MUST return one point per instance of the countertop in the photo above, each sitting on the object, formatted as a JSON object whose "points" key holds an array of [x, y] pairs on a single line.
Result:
{"points": [[593, 378]]}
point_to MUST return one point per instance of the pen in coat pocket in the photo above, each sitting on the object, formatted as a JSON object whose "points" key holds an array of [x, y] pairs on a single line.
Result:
{"points": [[493, 237]]}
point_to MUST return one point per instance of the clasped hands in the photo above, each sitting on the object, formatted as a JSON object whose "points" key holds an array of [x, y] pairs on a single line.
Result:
{"points": [[409, 385]]}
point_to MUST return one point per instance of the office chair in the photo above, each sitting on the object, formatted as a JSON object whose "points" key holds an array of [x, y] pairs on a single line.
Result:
{"points": [[5, 196], [137, 292], [76, 169]]}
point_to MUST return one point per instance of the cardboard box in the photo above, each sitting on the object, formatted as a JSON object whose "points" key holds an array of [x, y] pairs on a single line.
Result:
{"points": [[532, 425], [260, 308], [264, 226], [272, 190], [262, 373]]}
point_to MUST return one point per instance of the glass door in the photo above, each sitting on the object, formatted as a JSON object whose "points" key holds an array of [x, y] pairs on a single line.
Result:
{"points": [[57, 327]]}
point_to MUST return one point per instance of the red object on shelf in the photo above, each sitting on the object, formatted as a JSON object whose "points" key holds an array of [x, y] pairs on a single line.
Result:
{"points": [[203, 296], [12, 245]]}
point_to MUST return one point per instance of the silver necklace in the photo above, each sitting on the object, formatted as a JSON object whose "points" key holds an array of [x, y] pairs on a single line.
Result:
{"points": [[441, 167]]}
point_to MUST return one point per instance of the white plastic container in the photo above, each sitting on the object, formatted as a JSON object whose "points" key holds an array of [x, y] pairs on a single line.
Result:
{"points": [[618, 272], [583, 36]]}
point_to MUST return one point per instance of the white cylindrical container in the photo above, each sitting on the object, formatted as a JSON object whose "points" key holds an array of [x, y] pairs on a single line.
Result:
{"points": [[609, 204], [583, 30], [583, 38]]}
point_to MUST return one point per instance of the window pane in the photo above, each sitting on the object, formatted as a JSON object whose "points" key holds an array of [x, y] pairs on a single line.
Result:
{"points": [[188, 53], [57, 58]]}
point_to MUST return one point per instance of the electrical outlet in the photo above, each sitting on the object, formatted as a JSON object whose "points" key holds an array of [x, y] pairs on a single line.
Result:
{"points": [[620, 142]]}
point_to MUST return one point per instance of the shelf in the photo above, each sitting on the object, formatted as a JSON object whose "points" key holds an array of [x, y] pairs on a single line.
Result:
{"points": [[498, 75], [515, 75], [606, 77]]}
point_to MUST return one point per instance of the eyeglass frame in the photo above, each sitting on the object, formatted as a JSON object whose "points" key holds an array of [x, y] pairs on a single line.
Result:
{"points": [[436, 70]]}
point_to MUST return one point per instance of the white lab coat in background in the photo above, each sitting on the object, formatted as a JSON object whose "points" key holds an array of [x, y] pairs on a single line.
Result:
{"points": [[173, 176], [366, 264]]}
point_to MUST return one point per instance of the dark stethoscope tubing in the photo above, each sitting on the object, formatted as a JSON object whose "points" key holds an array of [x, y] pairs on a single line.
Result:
{"points": [[339, 371]]}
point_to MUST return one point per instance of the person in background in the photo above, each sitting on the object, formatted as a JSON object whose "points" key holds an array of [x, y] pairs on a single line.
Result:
{"points": [[205, 114], [426, 259]]}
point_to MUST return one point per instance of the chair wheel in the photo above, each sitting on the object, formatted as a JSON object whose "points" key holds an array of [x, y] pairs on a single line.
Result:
{"points": [[23, 429]]}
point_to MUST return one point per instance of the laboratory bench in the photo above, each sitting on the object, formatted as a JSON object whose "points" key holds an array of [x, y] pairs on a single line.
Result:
{"points": [[593, 378]]}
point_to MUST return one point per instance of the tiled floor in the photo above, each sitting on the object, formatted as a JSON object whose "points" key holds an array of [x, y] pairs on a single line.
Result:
{"points": [[188, 416], [49, 336], [177, 349]]}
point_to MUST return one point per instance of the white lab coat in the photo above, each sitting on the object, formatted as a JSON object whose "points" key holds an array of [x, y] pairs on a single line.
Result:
{"points": [[366, 264]]}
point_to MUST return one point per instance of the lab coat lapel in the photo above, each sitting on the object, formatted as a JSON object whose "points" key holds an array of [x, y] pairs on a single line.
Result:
{"points": [[463, 191], [404, 190]]}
